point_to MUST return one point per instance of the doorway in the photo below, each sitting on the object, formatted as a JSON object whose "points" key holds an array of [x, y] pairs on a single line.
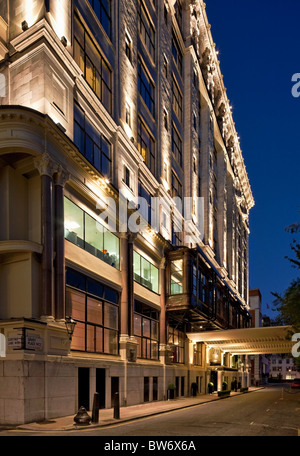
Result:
{"points": [[177, 386], [84, 387], [155, 388], [182, 386], [146, 389], [214, 379], [100, 387]]}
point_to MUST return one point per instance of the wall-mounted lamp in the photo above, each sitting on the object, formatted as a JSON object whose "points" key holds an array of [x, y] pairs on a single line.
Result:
{"points": [[64, 41], [24, 26], [70, 325]]}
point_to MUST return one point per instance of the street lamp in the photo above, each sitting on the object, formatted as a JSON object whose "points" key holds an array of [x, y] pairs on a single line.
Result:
{"points": [[70, 325]]}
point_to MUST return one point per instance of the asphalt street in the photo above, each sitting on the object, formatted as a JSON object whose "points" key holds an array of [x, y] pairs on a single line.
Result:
{"points": [[272, 411]]}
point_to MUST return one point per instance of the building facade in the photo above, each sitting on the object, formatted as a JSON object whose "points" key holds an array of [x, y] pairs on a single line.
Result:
{"points": [[102, 103]]}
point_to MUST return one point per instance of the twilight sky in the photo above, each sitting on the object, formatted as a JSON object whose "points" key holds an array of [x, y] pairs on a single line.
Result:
{"points": [[259, 45]]}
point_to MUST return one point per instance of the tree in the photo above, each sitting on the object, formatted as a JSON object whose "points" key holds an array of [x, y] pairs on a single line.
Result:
{"points": [[288, 305]]}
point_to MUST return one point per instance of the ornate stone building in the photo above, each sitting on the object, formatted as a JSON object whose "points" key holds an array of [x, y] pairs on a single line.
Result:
{"points": [[103, 102]]}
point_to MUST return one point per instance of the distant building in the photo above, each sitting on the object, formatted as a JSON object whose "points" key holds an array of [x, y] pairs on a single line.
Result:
{"points": [[259, 363]]}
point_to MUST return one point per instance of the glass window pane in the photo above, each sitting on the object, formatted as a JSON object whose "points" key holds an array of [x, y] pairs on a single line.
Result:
{"points": [[176, 277], [111, 316], [79, 32], [94, 311], [154, 330], [110, 342], [76, 304], [154, 349], [78, 338], [93, 235], [74, 223], [137, 325], [99, 339], [111, 295], [136, 266], [90, 338], [146, 327], [111, 249], [95, 288], [154, 278]]}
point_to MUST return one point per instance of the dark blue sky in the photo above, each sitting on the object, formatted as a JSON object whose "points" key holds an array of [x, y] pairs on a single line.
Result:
{"points": [[259, 44]]}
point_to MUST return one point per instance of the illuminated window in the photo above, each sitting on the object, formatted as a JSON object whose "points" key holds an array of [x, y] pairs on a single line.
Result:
{"points": [[176, 277], [92, 144], [146, 30], [128, 46], [177, 100], [146, 331], [92, 64], [145, 273], [176, 340], [176, 145], [95, 309], [198, 360], [102, 9], [177, 54], [128, 114], [146, 145], [176, 187], [146, 88], [88, 233]]}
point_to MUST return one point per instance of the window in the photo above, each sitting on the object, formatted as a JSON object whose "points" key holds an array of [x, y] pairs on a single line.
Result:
{"points": [[198, 354], [146, 88], [166, 119], [166, 66], [146, 30], [146, 331], [92, 144], [177, 54], [177, 235], [92, 64], [177, 100], [177, 277], [86, 232], [102, 9], [176, 187], [128, 114], [95, 309], [146, 145], [176, 145], [145, 211], [176, 340], [127, 177], [145, 273], [128, 46]]}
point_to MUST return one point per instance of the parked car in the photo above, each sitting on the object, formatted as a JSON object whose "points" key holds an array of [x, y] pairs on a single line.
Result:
{"points": [[296, 383]]}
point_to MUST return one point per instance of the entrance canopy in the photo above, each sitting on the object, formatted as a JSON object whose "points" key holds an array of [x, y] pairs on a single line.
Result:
{"points": [[248, 341]]}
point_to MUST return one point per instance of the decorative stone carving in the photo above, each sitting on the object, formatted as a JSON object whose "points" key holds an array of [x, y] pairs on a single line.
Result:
{"points": [[209, 68], [45, 165]]}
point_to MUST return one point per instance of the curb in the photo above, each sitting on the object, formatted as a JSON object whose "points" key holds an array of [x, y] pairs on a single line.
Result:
{"points": [[74, 427]]}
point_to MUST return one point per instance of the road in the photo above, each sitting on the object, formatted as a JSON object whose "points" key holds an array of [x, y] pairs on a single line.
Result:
{"points": [[272, 411]]}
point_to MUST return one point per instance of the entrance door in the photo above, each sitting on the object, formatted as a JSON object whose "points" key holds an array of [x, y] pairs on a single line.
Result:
{"points": [[114, 389], [146, 389], [177, 386], [100, 386], [84, 387], [214, 379], [155, 388], [182, 386]]}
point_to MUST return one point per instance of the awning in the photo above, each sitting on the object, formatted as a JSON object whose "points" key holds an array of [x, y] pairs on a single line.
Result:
{"points": [[248, 341]]}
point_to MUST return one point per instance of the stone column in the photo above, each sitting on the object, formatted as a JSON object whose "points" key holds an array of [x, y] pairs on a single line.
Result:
{"points": [[45, 166], [60, 179]]}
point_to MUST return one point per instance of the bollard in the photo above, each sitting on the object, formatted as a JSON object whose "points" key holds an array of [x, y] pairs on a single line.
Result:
{"points": [[96, 406], [116, 406]]}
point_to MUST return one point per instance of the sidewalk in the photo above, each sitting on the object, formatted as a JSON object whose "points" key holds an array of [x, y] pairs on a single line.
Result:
{"points": [[106, 416]]}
